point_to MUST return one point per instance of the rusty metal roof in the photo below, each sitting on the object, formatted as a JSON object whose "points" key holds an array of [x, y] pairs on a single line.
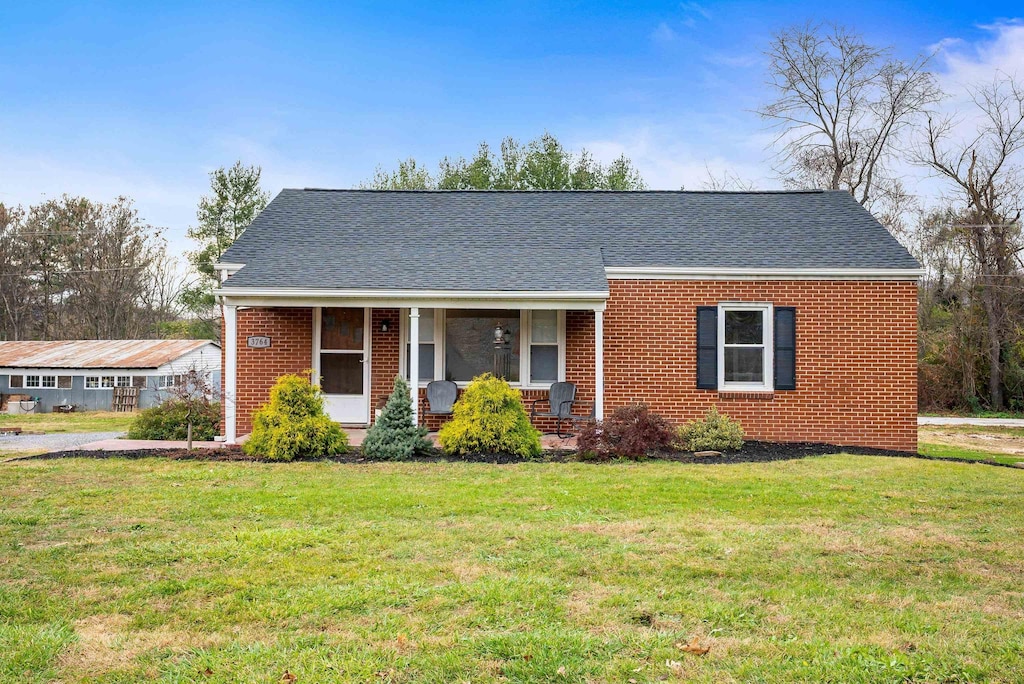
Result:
{"points": [[95, 353]]}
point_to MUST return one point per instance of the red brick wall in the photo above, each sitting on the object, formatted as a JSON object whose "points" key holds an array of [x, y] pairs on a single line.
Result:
{"points": [[385, 351], [856, 358], [291, 351]]}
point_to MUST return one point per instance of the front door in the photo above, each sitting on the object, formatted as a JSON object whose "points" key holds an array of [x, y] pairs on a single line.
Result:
{"points": [[344, 366]]}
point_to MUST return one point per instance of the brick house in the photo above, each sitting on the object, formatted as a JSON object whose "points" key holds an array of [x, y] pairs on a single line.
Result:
{"points": [[793, 312]]}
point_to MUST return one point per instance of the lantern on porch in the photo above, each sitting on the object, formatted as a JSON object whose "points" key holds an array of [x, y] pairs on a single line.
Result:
{"points": [[502, 352]]}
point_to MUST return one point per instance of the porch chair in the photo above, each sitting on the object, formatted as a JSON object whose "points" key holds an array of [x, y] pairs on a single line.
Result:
{"points": [[440, 399], [561, 400]]}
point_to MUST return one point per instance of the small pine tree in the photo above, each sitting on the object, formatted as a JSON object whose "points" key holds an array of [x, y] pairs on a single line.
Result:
{"points": [[393, 437]]}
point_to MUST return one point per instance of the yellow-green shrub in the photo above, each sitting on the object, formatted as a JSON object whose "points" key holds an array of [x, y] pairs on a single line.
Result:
{"points": [[294, 424], [716, 432], [489, 418]]}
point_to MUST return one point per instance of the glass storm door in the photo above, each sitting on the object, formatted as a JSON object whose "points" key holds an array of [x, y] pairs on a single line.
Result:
{"points": [[344, 367]]}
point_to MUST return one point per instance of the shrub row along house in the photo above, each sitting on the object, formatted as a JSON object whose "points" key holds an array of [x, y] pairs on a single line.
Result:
{"points": [[793, 312], [86, 374]]}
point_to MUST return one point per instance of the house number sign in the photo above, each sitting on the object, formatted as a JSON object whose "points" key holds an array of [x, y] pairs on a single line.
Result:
{"points": [[258, 342]]}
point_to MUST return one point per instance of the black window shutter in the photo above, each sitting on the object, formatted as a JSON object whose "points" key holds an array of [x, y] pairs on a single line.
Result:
{"points": [[707, 347], [785, 348]]}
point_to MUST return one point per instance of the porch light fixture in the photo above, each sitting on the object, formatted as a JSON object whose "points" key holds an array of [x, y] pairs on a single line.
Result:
{"points": [[385, 325], [502, 335]]}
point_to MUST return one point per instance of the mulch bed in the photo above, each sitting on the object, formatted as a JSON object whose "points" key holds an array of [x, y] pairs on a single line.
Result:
{"points": [[752, 452]]}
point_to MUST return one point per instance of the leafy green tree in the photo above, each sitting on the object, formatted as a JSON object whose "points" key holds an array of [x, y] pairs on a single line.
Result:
{"points": [[408, 176], [236, 198], [542, 164], [393, 437]]}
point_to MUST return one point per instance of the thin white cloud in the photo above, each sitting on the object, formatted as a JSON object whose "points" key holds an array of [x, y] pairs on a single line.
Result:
{"points": [[669, 160], [695, 8], [962, 64], [663, 34], [735, 61]]}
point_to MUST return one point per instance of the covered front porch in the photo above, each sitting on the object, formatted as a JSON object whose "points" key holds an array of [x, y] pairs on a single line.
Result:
{"points": [[356, 347]]}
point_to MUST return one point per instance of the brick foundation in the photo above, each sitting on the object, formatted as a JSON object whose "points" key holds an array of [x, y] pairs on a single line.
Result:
{"points": [[856, 357]]}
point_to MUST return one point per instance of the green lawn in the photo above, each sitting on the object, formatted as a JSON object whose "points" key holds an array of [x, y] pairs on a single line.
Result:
{"points": [[92, 421], [838, 569]]}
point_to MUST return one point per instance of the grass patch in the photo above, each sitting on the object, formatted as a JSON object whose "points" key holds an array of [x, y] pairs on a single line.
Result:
{"points": [[966, 453], [839, 568], [973, 442], [88, 421]]}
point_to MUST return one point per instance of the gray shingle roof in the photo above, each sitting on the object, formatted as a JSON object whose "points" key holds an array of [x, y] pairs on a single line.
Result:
{"points": [[546, 241]]}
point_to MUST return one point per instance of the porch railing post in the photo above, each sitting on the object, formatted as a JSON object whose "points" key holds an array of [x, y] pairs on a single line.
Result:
{"points": [[230, 373], [599, 365], [414, 362]]}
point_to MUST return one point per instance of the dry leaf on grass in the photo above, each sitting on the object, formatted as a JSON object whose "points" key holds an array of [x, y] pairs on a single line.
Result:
{"points": [[693, 647], [288, 677]]}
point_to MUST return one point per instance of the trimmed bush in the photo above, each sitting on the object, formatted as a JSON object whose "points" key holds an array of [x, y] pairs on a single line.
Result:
{"points": [[393, 437], [294, 424], [169, 420], [489, 418], [631, 432], [716, 432]]}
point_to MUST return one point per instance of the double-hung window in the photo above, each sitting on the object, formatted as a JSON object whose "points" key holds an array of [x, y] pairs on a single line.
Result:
{"points": [[745, 347], [544, 347]]}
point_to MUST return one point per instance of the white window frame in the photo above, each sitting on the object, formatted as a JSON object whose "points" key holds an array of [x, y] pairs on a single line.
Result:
{"points": [[767, 312], [526, 372], [163, 383], [525, 324], [51, 379], [92, 377], [33, 382]]}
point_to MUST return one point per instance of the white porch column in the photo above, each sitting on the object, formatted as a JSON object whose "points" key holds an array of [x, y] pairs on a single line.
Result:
{"points": [[414, 361], [599, 365], [230, 372]]}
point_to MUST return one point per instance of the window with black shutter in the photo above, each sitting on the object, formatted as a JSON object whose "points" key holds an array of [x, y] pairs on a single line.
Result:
{"points": [[707, 347], [785, 348]]}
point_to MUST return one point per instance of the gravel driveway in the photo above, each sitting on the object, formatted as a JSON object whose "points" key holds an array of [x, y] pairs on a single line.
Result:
{"points": [[55, 441]]}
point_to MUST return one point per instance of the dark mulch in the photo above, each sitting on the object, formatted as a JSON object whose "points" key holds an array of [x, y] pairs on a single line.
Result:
{"points": [[752, 452]]}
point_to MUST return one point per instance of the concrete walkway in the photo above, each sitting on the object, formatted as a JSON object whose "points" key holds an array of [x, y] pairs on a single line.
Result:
{"points": [[136, 444], [54, 441], [958, 420]]}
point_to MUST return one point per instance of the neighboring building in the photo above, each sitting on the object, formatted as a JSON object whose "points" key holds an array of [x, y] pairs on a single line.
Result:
{"points": [[85, 373], [794, 312]]}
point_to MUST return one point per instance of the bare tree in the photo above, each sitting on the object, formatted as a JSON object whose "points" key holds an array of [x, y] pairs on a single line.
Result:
{"points": [[727, 181], [112, 273], [985, 171], [843, 107], [16, 287]]}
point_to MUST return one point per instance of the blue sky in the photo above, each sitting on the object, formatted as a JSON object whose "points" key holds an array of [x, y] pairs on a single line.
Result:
{"points": [[143, 100]]}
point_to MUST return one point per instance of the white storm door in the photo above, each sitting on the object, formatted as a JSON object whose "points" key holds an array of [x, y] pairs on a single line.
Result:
{"points": [[344, 363]]}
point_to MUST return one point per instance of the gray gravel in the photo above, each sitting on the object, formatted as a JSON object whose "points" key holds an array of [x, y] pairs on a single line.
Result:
{"points": [[55, 441], [957, 420]]}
